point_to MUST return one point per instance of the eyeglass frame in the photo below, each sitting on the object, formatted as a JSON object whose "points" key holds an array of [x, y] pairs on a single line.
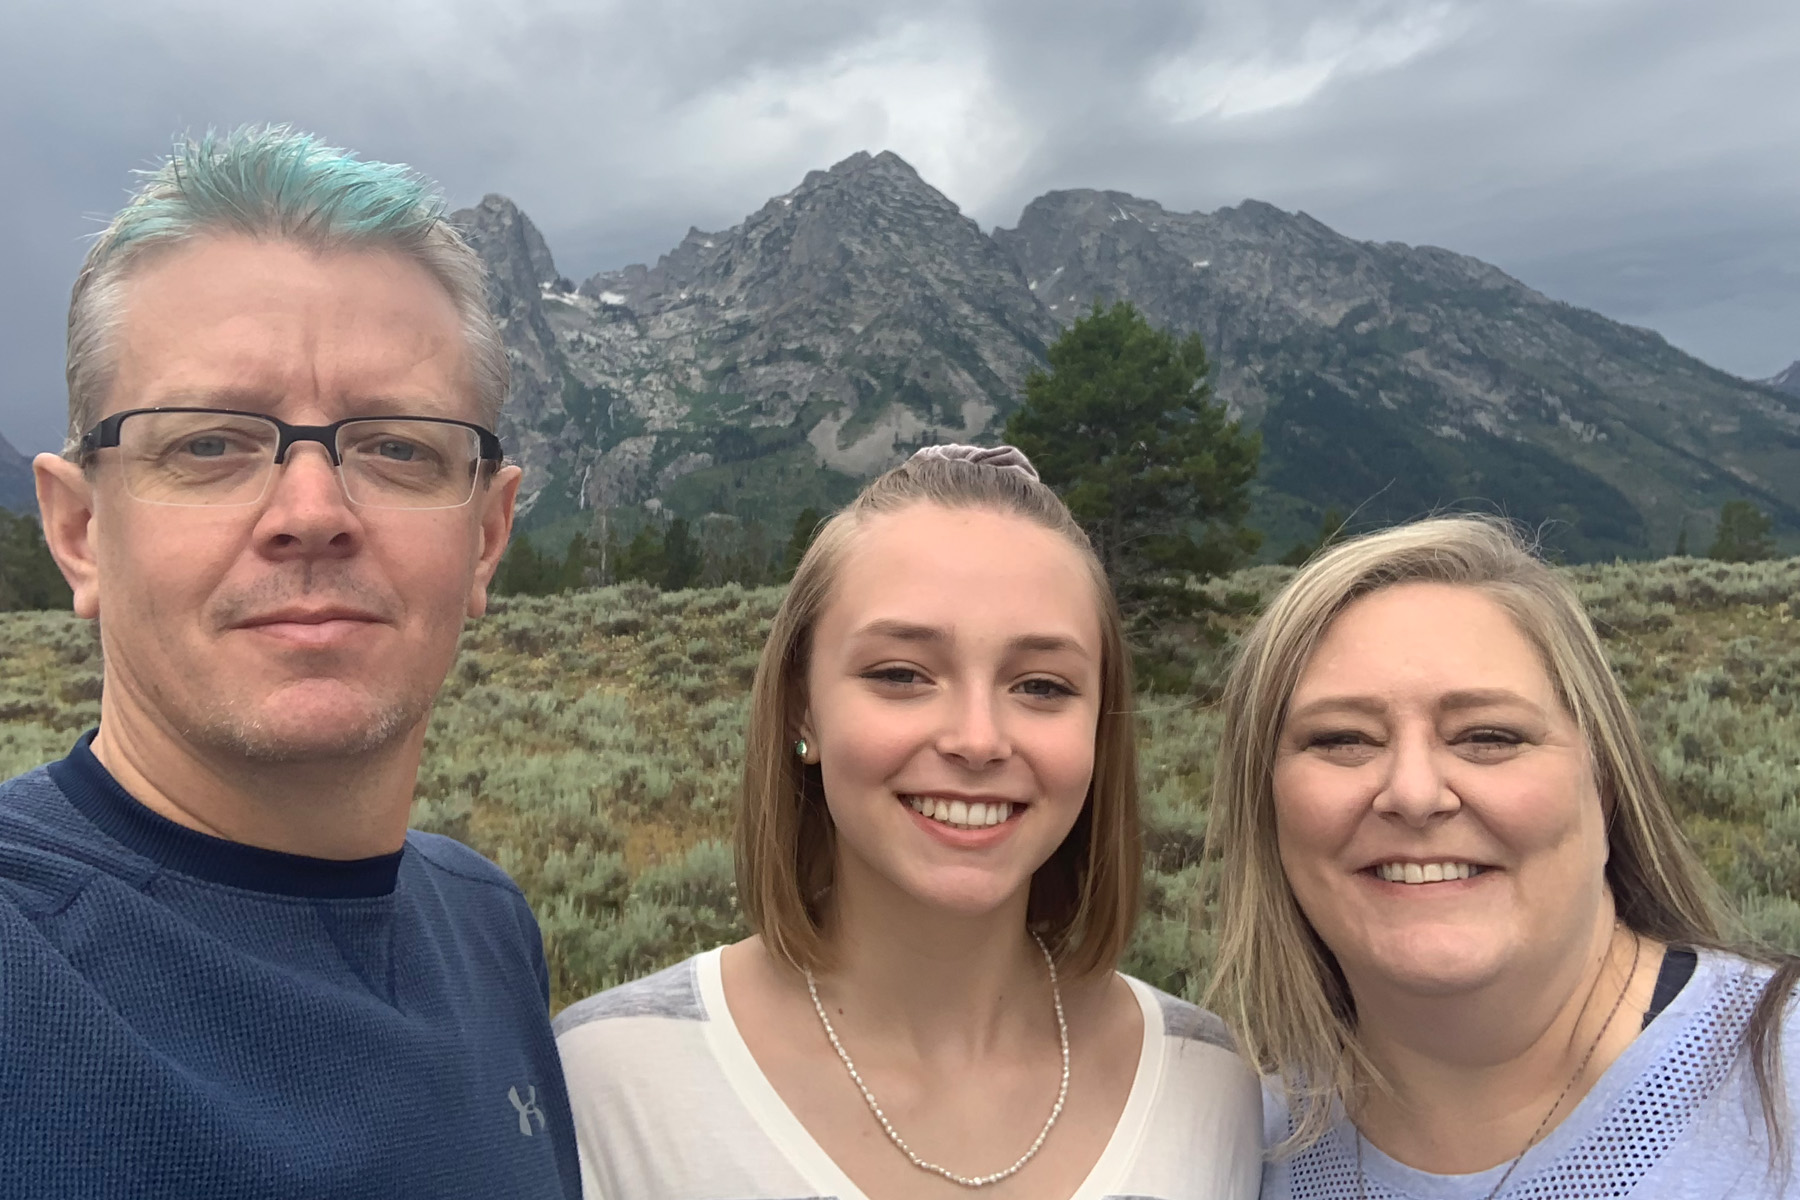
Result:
{"points": [[105, 435]]}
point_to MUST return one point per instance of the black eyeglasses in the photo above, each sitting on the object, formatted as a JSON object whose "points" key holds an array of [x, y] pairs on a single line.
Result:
{"points": [[221, 457]]}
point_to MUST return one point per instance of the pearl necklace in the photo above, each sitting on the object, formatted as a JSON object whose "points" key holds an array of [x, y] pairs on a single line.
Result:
{"points": [[968, 1181]]}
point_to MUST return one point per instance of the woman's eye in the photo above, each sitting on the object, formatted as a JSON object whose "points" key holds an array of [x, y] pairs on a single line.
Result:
{"points": [[1491, 740], [1046, 689], [1345, 747], [1337, 738], [900, 676]]}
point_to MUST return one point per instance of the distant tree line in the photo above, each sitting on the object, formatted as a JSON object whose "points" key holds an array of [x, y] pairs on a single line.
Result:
{"points": [[1745, 534], [671, 555], [29, 577]]}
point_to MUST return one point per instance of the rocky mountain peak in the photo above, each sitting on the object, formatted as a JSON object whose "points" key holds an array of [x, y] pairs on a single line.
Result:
{"points": [[863, 246], [854, 316], [759, 369], [512, 247], [520, 274], [1787, 381], [865, 216]]}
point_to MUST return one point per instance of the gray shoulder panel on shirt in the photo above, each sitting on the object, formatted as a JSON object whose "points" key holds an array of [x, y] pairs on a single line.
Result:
{"points": [[1191, 1023], [672, 993]]}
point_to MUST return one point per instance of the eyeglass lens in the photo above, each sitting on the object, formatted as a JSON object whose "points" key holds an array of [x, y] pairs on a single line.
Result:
{"points": [[221, 459]]}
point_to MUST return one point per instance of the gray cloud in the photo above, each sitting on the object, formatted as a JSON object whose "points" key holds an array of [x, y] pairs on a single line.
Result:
{"points": [[1629, 155]]}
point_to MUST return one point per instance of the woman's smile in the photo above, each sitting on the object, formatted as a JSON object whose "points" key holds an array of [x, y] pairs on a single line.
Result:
{"points": [[963, 689]]}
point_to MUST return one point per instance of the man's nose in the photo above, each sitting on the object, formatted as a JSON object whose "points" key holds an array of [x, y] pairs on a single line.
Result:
{"points": [[306, 510]]}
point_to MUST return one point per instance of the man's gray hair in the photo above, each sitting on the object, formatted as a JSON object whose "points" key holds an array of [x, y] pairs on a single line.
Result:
{"points": [[276, 183]]}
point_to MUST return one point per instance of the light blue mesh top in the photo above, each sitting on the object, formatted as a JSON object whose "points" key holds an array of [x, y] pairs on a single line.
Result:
{"points": [[1677, 1115]]}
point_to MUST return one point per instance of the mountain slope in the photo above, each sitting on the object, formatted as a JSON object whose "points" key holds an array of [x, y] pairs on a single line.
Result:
{"points": [[1399, 379], [842, 323], [1787, 381], [17, 491], [776, 364]]}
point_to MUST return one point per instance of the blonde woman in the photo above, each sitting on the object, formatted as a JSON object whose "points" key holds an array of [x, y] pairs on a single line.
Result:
{"points": [[938, 852], [1460, 927]]}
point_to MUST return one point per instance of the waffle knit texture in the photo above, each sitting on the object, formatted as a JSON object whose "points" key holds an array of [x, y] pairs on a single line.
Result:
{"points": [[183, 1016], [1675, 1115]]}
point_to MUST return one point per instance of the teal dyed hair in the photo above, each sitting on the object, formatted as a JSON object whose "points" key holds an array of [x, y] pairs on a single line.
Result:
{"points": [[276, 183]]}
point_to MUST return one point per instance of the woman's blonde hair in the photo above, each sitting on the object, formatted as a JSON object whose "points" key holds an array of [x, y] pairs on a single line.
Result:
{"points": [[1084, 900], [1277, 984]]}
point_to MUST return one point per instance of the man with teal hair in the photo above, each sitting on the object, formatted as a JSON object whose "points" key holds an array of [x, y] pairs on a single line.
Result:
{"points": [[227, 968]]}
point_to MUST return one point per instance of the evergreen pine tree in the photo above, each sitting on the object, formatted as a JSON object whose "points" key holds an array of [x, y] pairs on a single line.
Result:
{"points": [[1744, 534], [642, 557], [578, 560], [1124, 427], [521, 570], [681, 557], [29, 577], [806, 525]]}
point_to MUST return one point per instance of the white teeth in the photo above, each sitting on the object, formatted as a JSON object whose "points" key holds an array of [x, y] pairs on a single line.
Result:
{"points": [[962, 814], [1444, 872]]}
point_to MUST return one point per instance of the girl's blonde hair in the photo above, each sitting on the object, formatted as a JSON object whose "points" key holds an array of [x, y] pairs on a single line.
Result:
{"points": [[1084, 900], [1276, 983]]}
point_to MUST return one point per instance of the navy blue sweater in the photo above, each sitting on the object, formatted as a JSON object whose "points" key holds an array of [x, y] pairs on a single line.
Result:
{"points": [[182, 1016]]}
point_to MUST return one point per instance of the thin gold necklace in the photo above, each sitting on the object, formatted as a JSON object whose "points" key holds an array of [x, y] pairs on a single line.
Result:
{"points": [[968, 1181], [1637, 947]]}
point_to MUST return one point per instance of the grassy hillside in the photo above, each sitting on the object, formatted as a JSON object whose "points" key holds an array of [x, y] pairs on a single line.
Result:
{"points": [[589, 744]]}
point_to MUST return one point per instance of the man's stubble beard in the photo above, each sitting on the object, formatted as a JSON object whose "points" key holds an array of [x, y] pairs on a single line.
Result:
{"points": [[230, 730]]}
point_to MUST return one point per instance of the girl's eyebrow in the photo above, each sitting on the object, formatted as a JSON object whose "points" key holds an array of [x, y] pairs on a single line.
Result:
{"points": [[907, 631], [1053, 642], [902, 631]]}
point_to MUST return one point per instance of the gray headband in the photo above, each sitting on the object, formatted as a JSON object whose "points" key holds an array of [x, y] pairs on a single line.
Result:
{"points": [[1007, 458]]}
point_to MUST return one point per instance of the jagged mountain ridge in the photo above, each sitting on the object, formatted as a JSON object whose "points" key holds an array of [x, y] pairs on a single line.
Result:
{"points": [[819, 333], [1787, 381], [1402, 377], [17, 491], [777, 363]]}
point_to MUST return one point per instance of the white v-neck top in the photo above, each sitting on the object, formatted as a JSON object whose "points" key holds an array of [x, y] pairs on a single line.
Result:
{"points": [[670, 1104]]}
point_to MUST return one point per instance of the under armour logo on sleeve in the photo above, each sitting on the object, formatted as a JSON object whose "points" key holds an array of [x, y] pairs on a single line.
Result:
{"points": [[528, 1108]]}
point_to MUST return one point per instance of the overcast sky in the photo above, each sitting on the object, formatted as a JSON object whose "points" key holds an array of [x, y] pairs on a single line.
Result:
{"points": [[1636, 156]]}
